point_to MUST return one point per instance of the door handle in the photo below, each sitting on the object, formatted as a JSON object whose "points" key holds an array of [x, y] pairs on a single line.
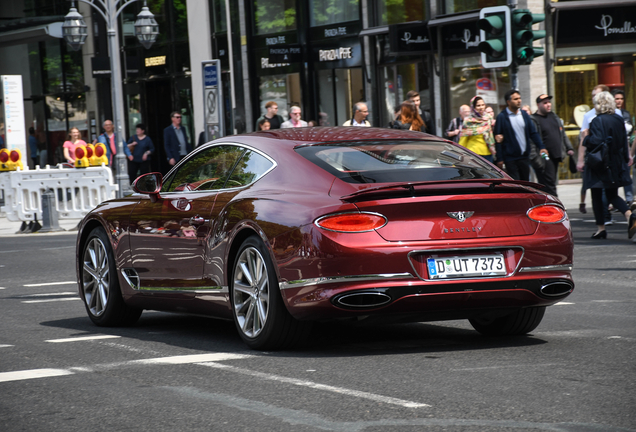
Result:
{"points": [[198, 220]]}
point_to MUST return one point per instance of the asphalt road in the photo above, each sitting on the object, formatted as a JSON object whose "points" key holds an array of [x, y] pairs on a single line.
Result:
{"points": [[58, 372]]}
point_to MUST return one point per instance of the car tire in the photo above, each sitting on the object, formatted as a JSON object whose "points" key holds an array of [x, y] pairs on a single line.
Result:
{"points": [[519, 322], [259, 313], [99, 284]]}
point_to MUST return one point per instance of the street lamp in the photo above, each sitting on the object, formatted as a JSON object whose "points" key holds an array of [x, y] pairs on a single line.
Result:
{"points": [[146, 30]]}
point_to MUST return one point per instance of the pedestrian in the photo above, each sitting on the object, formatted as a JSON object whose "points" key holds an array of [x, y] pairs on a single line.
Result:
{"points": [[537, 162], [295, 120], [360, 113], [477, 133], [264, 125], [429, 125], [608, 129], [33, 146], [139, 151], [513, 131], [556, 142], [409, 118], [491, 112], [74, 140], [455, 126], [619, 97], [585, 125], [108, 139], [275, 120], [175, 140]]}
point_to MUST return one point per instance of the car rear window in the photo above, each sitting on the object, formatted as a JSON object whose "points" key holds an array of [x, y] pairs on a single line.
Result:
{"points": [[404, 161]]}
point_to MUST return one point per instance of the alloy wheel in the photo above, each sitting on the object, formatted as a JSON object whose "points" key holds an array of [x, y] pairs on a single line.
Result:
{"points": [[96, 276], [251, 292]]}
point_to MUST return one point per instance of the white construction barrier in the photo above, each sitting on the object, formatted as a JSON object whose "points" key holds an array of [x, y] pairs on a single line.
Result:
{"points": [[77, 191]]}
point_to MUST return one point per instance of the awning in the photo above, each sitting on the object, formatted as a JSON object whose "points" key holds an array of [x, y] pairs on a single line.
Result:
{"points": [[585, 4], [31, 34], [374, 31], [453, 19]]}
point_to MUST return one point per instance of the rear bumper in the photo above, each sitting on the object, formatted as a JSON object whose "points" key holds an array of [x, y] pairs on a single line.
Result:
{"points": [[425, 300]]}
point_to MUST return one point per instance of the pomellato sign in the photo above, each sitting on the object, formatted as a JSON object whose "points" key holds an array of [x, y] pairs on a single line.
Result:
{"points": [[613, 24]]}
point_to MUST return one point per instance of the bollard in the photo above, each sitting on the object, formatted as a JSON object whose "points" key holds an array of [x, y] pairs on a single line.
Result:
{"points": [[50, 219]]}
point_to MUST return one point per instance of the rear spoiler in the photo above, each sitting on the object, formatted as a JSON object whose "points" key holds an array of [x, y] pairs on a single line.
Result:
{"points": [[490, 183]]}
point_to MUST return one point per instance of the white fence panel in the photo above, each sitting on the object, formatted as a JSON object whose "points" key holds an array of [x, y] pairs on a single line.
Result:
{"points": [[77, 191]]}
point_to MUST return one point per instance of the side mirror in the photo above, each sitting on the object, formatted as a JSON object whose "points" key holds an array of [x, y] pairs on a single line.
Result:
{"points": [[150, 184]]}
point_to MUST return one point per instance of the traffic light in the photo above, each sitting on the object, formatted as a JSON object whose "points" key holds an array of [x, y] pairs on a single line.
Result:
{"points": [[495, 37], [523, 36]]}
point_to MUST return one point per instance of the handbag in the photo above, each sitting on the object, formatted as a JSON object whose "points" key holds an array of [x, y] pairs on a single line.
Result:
{"points": [[597, 159], [572, 165]]}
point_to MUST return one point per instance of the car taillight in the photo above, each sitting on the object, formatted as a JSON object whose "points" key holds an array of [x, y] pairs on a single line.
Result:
{"points": [[79, 153], [99, 151], [89, 152], [546, 214], [4, 156], [15, 156], [352, 222]]}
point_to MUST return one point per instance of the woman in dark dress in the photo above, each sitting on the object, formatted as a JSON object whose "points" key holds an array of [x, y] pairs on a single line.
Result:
{"points": [[607, 127]]}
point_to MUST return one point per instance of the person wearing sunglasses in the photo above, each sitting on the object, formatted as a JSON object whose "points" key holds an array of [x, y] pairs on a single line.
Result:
{"points": [[175, 140], [294, 120]]}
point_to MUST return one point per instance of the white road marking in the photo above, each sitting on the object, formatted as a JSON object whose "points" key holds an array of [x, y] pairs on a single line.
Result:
{"points": [[194, 358], [5, 346], [49, 294], [508, 366], [317, 386], [51, 283], [606, 301], [33, 373], [615, 337], [82, 338], [2, 288], [563, 303], [52, 300]]}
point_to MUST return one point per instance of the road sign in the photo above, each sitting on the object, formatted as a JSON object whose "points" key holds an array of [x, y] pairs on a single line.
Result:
{"points": [[212, 100]]}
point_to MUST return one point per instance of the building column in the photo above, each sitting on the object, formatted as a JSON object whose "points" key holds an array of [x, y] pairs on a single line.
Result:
{"points": [[200, 43]]}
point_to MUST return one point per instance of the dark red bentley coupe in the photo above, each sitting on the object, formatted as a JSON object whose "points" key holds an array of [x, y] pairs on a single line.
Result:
{"points": [[281, 228]]}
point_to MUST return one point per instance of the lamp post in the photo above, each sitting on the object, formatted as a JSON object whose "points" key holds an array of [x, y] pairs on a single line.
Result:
{"points": [[146, 30]]}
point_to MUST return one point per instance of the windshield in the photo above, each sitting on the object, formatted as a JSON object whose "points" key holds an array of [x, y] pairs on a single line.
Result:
{"points": [[403, 161]]}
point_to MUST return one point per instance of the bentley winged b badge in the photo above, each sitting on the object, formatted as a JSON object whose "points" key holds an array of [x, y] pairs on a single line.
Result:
{"points": [[460, 216]]}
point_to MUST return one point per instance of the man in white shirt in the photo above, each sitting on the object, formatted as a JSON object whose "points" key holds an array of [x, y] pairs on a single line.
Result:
{"points": [[295, 120], [360, 113]]}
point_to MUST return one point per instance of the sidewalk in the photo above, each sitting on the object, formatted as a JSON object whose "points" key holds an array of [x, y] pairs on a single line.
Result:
{"points": [[569, 193]]}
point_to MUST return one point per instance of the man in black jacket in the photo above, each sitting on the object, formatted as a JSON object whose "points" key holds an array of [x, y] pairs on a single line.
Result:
{"points": [[554, 139], [175, 140], [513, 131]]}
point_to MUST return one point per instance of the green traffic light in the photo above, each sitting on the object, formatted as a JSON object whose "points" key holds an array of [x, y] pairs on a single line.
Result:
{"points": [[493, 48], [492, 24]]}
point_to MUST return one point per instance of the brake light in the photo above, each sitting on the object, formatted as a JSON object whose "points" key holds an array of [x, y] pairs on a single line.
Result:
{"points": [[4, 156], [79, 152], [15, 156], [352, 222], [546, 214], [99, 151]]}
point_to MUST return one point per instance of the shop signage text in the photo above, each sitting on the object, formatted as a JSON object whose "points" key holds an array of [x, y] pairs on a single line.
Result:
{"points": [[606, 26], [596, 26], [155, 61], [409, 38], [332, 32], [276, 40], [341, 53], [287, 54]]}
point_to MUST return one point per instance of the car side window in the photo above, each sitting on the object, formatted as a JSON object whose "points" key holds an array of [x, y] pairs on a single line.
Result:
{"points": [[250, 168], [207, 170]]}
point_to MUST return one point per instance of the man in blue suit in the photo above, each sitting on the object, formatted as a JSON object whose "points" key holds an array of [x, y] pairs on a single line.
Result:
{"points": [[513, 131], [175, 140]]}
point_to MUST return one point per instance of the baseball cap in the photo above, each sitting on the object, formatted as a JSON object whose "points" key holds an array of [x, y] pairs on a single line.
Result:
{"points": [[543, 97]]}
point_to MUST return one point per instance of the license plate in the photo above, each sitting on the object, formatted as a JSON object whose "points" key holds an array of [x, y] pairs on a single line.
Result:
{"points": [[466, 266]]}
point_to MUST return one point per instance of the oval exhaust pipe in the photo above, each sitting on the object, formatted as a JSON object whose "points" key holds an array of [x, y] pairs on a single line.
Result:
{"points": [[556, 289], [363, 300]]}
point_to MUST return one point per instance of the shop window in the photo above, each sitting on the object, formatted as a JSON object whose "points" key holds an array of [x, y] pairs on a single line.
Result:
{"points": [[400, 11], [325, 12], [397, 81], [454, 6], [338, 90], [467, 78], [282, 89], [217, 10], [274, 16]]}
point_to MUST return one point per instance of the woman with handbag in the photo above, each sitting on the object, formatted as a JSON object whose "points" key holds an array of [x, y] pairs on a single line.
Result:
{"points": [[606, 162], [476, 133]]}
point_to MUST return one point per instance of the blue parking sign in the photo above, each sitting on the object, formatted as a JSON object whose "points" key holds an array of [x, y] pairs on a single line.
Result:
{"points": [[210, 75]]}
